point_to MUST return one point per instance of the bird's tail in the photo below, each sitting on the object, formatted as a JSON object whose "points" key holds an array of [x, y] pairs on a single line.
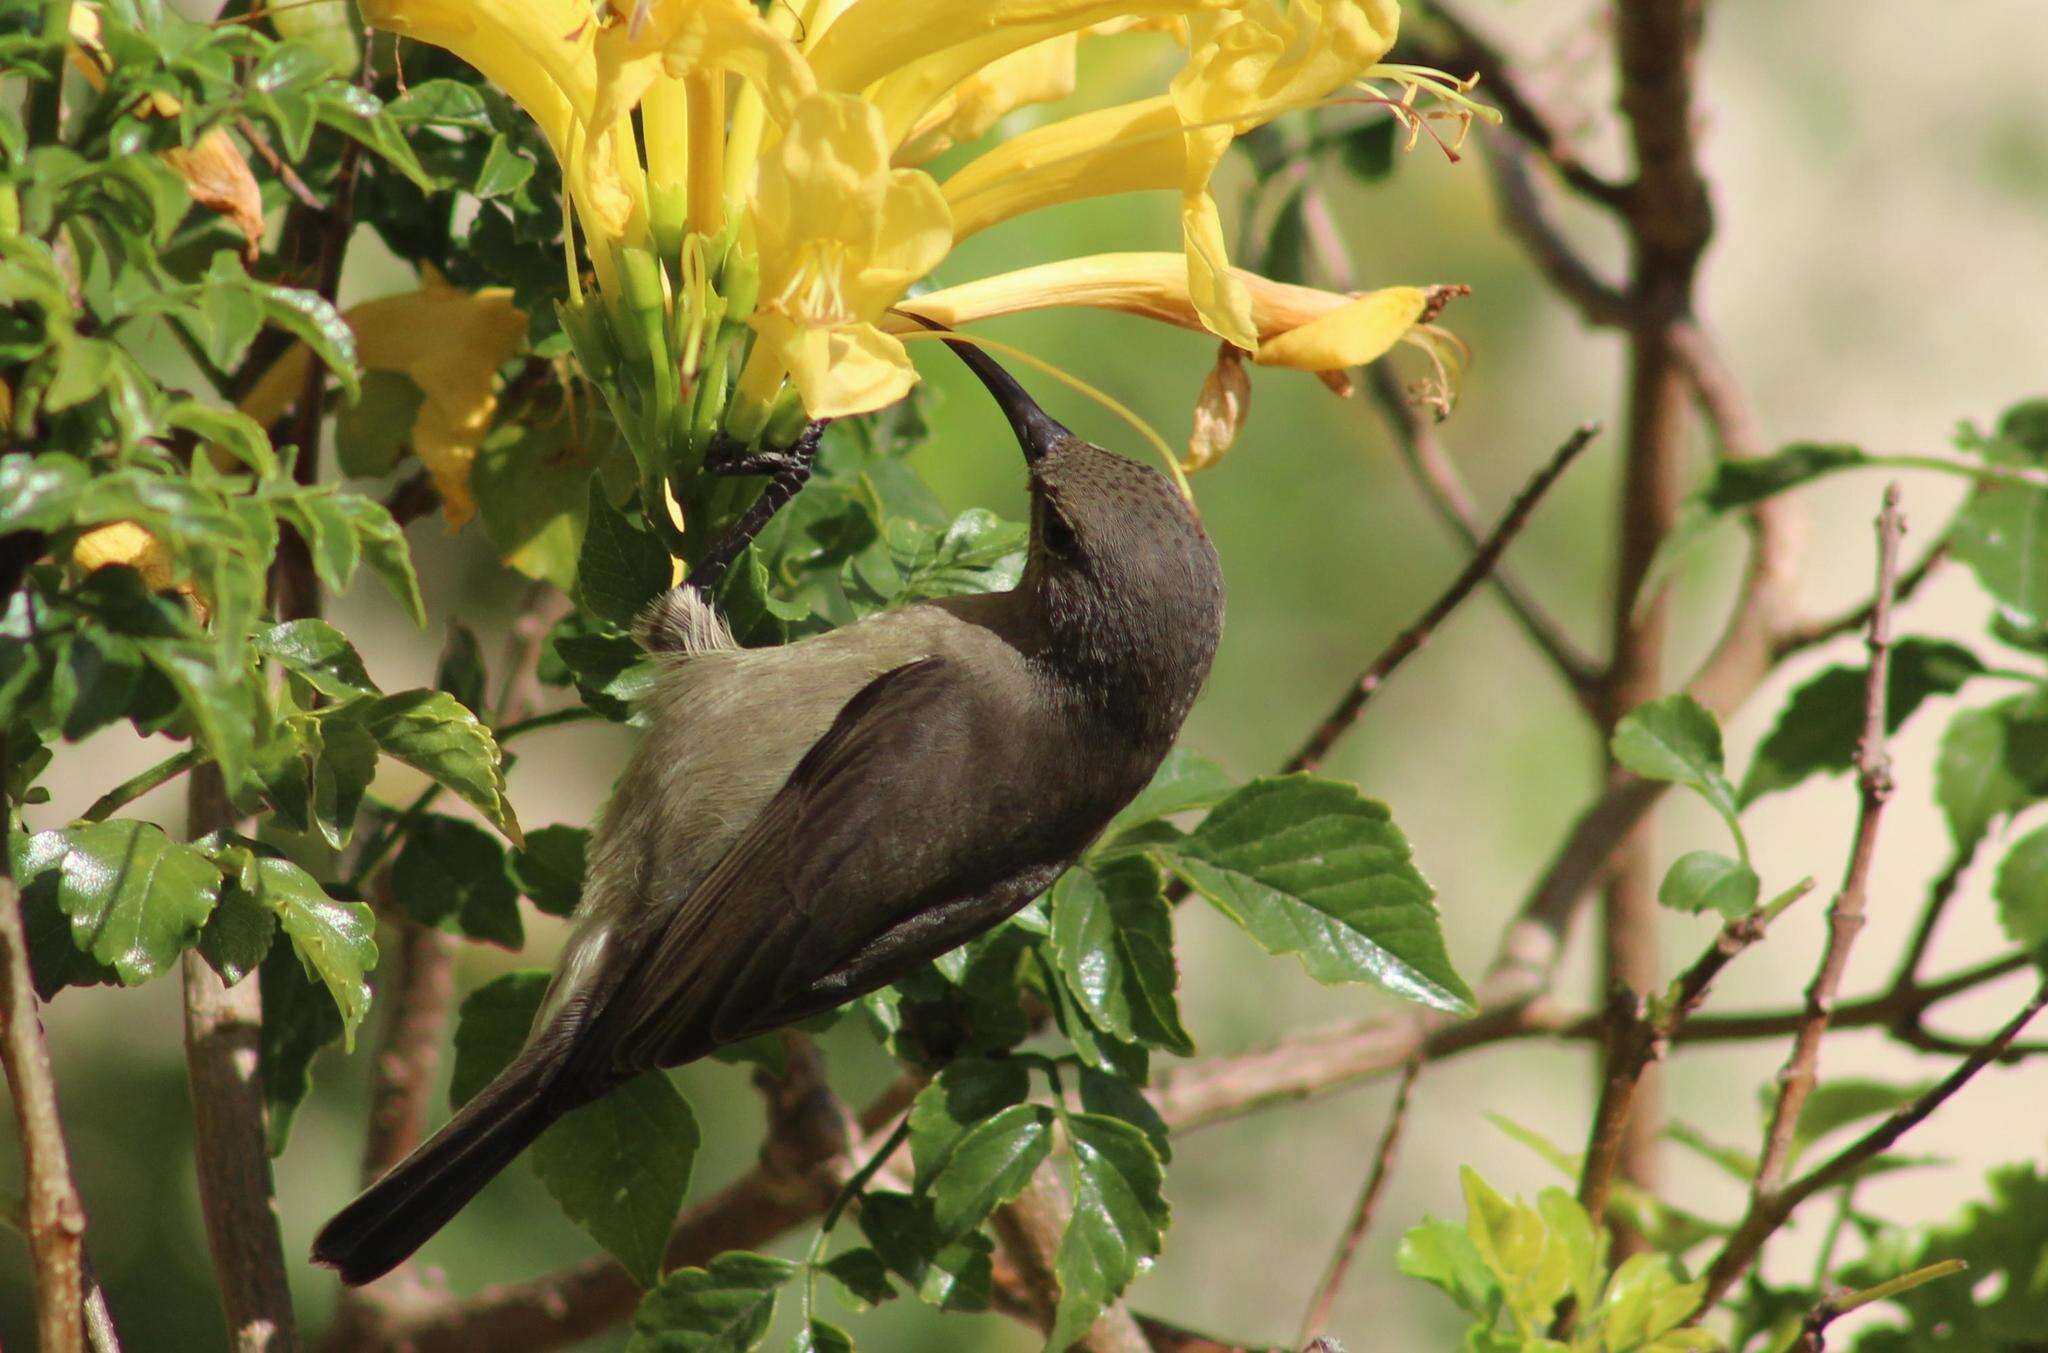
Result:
{"points": [[419, 1195]]}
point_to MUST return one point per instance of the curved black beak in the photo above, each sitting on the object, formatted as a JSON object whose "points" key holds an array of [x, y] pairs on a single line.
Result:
{"points": [[1037, 431]]}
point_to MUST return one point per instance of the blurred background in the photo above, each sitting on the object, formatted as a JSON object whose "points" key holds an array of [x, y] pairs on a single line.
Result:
{"points": [[1881, 184]]}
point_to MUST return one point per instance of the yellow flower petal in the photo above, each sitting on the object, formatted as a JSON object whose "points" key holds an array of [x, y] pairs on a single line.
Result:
{"points": [[1125, 149], [450, 343], [1039, 73], [125, 542], [1155, 285], [840, 371], [680, 36], [1350, 336]]}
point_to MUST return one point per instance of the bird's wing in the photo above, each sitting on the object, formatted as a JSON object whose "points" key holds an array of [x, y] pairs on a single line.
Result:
{"points": [[891, 813]]}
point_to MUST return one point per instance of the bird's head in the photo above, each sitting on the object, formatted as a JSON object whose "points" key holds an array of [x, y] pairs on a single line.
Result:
{"points": [[1127, 578]]}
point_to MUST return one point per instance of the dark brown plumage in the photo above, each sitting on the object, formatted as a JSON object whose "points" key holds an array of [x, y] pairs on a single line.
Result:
{"points": [[804, 824]]}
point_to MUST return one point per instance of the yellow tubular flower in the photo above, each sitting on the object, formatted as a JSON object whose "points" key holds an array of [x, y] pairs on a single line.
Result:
{"points": [[1297, 327], [695, 35], [450, 343], [542, 53], [1039, 73], [841, 234], [1258, 58], [1125, 149]]}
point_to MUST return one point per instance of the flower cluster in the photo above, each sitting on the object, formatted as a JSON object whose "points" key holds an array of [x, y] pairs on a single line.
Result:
{"points": [[753, 191]]}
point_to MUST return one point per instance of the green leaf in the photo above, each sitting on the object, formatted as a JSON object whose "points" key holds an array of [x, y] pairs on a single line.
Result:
{"points": [[453, 874], [136, 899], [621, 568], [1817, 731], [1973, 777], [384, 550], [820, 1337], [1312, 867], [319, 653], [2021, 890], [990, 1165], [862, 1277], [1185, 781], [978, 552], [549, 869], [1119, 1221], [1677, 740], [335, 941], [1704, 881], [1998, 534], [618, 1167], [299, 1019], [1112, 935], [1442, 1254], [237, 936], [964, 1093], [953, 1275], [361, 116], [2003, 1306], [1644, 1299], [724, 1307], [432, 732], [315, 322]]}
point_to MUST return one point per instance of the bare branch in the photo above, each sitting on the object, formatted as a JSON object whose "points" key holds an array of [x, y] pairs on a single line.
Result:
{"points": [[418, 986], [1362, 1213], [223, 1032], [1415, 437], [1599, 301], [1346, 713], [1770, 1211], [1845, 917], [55, 1219]]}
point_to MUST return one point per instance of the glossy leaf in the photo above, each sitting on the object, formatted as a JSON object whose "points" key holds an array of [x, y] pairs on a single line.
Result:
{"points": [[724, 1307], [1705, 881], [1119, 1221], [621, 568], [432, 732], [964, 1093], [320, 654], [136, 899], [990, 1165], [1112, 935], [1312, 867]]}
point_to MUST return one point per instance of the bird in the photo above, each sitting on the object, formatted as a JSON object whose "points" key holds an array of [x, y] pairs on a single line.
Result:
{"points": [[803, 824]]}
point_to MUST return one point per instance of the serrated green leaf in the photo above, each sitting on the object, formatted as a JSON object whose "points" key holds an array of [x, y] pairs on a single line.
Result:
{"points": [[315, 322], [1676, 739], [1703, 880], [335, 941], [299, 1019], [1998, 535], [1119, 1221], [237, 936], [964, 1093], [618, 1167], [1973, 777], [136, 899], [1185, 781], [1312, 867], [1112, 935], [1817, 732], [452, 874], [621, 568], [318, 652], [549, 869], [990, 1165], [2021, 890], [724, 1307], [862, 1277], [432, 732], [1442, 1254], [460, 672], [953, 1275]]}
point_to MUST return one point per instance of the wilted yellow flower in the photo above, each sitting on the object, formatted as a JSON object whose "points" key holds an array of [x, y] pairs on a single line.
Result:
{"points": [[1220, 409], [450, 343]]}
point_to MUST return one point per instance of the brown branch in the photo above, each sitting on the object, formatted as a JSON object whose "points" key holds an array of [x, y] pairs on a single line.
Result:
{"points": [[223, 1031], [1466, 52], [1939, 894], [1523, 214], [1318, 745], [54, 1218], [1845, 917], [1770, 1211], [1414, 432], [286, 175], [417, 987], [1639, 1037], [1362, 1213]]}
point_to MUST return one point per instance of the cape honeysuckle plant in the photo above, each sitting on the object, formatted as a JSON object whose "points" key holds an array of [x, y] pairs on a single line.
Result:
{"points": [[630, 240]]}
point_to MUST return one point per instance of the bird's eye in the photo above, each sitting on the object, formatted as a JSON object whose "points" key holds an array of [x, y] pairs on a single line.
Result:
{"points": [[1057, 534]]}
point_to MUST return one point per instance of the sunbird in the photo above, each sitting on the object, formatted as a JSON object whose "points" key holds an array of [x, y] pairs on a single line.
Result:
{"points": [[803, 824]]}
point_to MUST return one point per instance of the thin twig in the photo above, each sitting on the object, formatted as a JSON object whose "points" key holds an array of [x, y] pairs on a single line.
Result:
{"points": [[135, 786], [1523, 213], [1813, 633], [1362, 1213], [286, 175], [1767, 1213], [223, 1031], [1939, 894], [1415, 437], [1638, 1038], [55, 1219], [1346, 713], [1845, 917]]}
